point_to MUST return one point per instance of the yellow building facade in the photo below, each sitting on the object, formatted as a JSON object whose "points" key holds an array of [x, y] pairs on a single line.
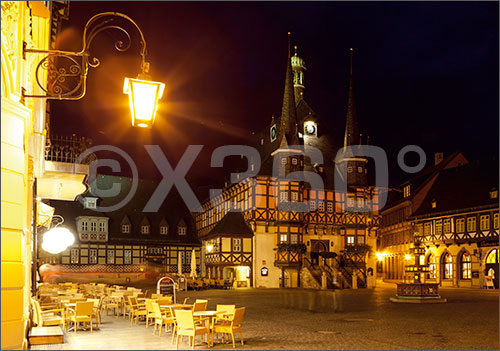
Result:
{"points": [[22, 159]]}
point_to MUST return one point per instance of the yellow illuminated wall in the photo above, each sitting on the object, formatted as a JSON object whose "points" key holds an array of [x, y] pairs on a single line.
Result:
{"points": [[20, 22]]}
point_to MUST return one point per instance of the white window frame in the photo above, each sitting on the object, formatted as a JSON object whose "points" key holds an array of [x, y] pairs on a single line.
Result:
{"points": [[163, 229], [102, 227], [182, 230], [321, 205], [111, 256], [350, 240], [294, 238], [126, 228], [471, 224], [237, 245], [127, 256], [283, 238], [485, 222], [447, 226], [145, 229], [460, 225], [93, 256], [85, 226], [75, 256], [329, 206], [93, 226]]}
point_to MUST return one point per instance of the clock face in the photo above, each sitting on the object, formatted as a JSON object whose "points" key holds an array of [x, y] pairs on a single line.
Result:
{"points": [[310, 128], [273, 132]]}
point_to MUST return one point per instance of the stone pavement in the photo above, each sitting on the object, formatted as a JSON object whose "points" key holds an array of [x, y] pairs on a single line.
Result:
{"points": [[345, 319]]}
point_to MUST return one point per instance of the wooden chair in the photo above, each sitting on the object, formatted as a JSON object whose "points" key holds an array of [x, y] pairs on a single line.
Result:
{"points": [[156, 296], [136, 310], [97, 309], [186, 300], [229, 325], [82, 313], [162, 318], [113, 302], [186, 327], [149, 310], [48, 317]]}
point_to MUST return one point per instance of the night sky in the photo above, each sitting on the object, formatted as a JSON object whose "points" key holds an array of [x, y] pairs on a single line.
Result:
{"points": [[424, 74]]}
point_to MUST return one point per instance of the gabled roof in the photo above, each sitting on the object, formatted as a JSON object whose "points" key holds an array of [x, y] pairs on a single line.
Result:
{"points": [[460, 189], [232, 224]]}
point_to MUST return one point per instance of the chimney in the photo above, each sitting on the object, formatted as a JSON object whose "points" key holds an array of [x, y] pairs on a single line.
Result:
{"points": [[438, 157]]}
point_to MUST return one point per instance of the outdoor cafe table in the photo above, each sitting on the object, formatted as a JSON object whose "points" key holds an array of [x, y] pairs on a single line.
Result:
{"points": [[210, 315]]}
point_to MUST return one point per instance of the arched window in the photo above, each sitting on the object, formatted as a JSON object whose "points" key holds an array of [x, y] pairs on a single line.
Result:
{"points": [[447, 264], [431, 263], [492, 257], [465, 266]]}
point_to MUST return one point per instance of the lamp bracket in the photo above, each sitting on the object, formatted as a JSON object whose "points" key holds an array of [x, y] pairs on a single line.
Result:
{"points": [[66, 71]]}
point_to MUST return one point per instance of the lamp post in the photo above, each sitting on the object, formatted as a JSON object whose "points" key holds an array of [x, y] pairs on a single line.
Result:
{"points": [[67, 70]]}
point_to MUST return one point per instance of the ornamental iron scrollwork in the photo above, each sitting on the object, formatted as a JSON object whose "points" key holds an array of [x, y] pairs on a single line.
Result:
{"points": [[66, 71]]}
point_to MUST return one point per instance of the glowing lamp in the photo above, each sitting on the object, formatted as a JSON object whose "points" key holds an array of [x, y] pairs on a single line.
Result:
{"points": [[210, 247], [57, 240], [143, 98], [380, 256], [407, 257]]}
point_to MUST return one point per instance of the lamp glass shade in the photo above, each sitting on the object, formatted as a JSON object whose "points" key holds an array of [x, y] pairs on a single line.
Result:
{"points": [[57, 240], [143, 99]]}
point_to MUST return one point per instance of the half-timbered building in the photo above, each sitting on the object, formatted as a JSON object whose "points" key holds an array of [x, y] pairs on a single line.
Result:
{"points": [[395, 234], [458, 224], [125, 240], [333, 236]]}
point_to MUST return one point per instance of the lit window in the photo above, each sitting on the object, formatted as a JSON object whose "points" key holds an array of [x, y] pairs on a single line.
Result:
{"points": [[448, 266], [471, 224], [102, 227], [294, 238], [433, 203], [406, 191], [283, 238], [144, 229], [164, 230], [93, 226], [321, 205], [283, 161], [427, 228], [420, 228], [466, 266], [75, 253], [361, 239], [460, 225], [431, 263], [125, 228], [236, 244], [439, 227], [283, 196], [447, 226], [350, 202], [294, 161], [492, 257], [295, 196], [329, 206], [349, 169], [485, 222], [127, 257], [350, 240], [85, 226], [111, 256], [93, 256], [493, 193], [495, 221], [360, 169], [181, 230], [312, 205]]}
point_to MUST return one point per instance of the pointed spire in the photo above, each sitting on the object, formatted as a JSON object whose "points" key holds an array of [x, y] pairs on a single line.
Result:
{"points": [[288, 125], [351, 136]]}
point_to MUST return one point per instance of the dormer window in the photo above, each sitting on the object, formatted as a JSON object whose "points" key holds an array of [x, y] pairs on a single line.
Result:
{"points": [[433, 203], [145, 226], [294, 161], [360, 169], [126, 228], [163, 230], [493, 193], [349, 169], [283, 161], [144, 229], [90, 202], [181, 230]]}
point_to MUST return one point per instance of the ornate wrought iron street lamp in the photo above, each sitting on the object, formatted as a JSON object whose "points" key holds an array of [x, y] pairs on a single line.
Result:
{"points": [[67, 70]]}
